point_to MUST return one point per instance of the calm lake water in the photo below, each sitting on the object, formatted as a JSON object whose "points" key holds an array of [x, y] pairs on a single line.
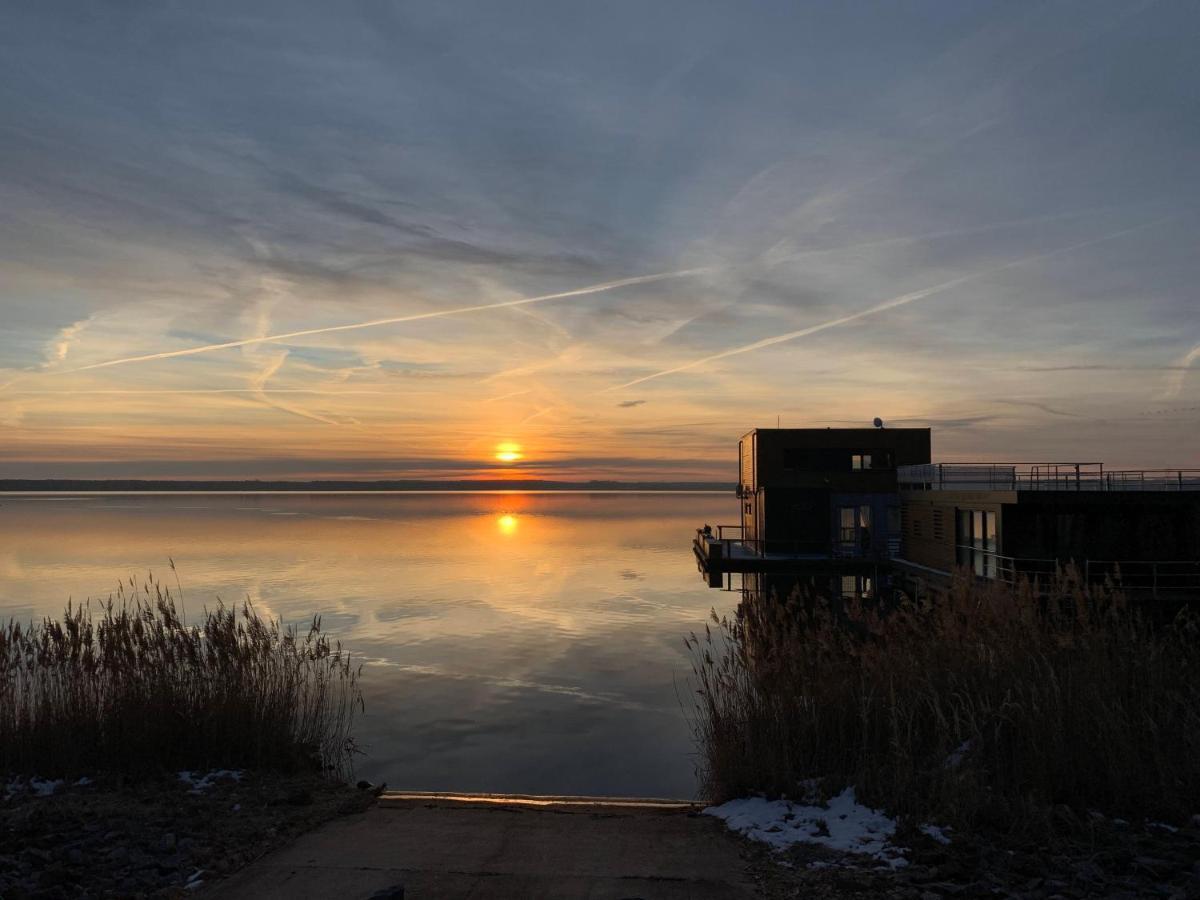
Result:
{"points": [[513, 642]]}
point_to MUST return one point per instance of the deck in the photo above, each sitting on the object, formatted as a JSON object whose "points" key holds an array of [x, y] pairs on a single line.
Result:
{"points": [[725, 551]]}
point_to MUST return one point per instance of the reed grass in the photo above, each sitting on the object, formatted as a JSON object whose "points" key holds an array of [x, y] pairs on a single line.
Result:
{"points": [[988, 704], [131, 687]]}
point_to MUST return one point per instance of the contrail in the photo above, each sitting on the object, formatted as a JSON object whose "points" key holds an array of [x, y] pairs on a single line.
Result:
{"points": [[506, 396], [139, 392], [1181, 371], [902, 300], [375, 323], [259, 382]]}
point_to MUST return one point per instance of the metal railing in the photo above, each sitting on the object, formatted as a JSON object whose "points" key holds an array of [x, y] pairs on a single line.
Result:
{"points": [[1153, 576], [734, 544], [1072, 476], [1158, 575]]}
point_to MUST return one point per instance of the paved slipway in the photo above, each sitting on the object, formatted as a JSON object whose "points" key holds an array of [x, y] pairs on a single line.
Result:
{"points": [[499, 847]]}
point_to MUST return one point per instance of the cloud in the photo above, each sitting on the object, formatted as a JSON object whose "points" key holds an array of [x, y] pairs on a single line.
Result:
{"points": [[902, 300], [626, 404], [61, 345]]}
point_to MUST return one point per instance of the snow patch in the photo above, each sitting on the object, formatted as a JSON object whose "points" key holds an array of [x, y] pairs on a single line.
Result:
{"points": [[201, 783], [938, 832], [845, 824], [955, 759], [41, 787]]}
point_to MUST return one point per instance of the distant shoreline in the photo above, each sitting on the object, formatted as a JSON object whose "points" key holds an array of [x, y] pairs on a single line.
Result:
{"points": [[127, 486]]}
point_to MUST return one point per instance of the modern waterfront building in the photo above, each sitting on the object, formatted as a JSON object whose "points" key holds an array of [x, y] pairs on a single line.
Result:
{"points": [[820, 502], [861, 511], [1002, 521]]}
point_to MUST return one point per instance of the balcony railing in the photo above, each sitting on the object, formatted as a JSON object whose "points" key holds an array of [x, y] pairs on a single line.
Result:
{"points": [[1142, 576], [1075, 476], [735, 545]]}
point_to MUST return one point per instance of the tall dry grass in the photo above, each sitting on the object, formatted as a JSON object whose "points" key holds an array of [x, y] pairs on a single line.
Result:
{"points": [[986, 705], [130, 686]]}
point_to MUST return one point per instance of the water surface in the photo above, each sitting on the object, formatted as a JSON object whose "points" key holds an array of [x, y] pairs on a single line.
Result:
{"points": [[514, 642]]}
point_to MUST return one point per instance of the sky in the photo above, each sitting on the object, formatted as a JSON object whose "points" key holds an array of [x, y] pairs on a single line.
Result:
{"points": [[600, 240]]}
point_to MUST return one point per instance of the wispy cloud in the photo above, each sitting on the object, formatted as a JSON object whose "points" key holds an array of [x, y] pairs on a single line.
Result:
{"points": [[895, 302], [61, 345], [393, 320]]}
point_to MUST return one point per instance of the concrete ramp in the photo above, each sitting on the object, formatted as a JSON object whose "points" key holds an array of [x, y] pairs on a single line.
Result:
{"points": [[502, 846]]}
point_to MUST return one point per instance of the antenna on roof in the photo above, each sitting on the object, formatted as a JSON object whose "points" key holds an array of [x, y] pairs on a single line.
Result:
{"points": [[878, 422], [776, 421]]}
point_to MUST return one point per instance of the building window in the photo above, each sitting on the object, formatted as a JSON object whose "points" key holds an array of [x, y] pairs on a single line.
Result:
{"points": [[859, 461], [975, 539], [854, 530], [856, 587]]}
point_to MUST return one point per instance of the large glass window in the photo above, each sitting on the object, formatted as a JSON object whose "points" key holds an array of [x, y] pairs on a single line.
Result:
{"points": [[975, 540], [854, 529], [857, 587]]}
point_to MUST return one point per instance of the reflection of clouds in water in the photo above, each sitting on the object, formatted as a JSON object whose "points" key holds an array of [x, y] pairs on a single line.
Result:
{"points": [[520, 684], [575, 659], [396, 612]]}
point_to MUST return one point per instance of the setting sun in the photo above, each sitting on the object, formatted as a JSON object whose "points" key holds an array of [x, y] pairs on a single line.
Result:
{"points": [[507, 524], [509, 452]]}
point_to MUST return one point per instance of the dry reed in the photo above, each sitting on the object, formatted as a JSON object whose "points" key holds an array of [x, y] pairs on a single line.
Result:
{"points": [[135, 688], [987, 705]]}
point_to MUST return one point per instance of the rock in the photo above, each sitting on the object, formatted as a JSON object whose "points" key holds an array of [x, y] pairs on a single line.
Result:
{"points": [[166, 844], [395, 892]]}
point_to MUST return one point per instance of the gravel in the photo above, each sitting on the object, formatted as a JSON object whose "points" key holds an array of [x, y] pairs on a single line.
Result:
{"points": [[157, 837], [1112, 861]]}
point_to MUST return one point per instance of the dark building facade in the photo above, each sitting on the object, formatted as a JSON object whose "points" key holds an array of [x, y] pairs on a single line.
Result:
{"points": [[1002, 521], [829, 491], [819, 502], [857, 511]]}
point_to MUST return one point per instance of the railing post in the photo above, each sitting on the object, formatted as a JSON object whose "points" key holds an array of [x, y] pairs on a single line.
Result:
{"points": [[1076, 476]]}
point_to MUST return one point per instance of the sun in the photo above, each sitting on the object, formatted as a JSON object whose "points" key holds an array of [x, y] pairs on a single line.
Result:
{"points": [[507, 524], [509, 452]]}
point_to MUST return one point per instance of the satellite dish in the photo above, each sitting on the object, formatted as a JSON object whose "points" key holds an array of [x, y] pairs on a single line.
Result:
{"points": [[878, 422]]}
